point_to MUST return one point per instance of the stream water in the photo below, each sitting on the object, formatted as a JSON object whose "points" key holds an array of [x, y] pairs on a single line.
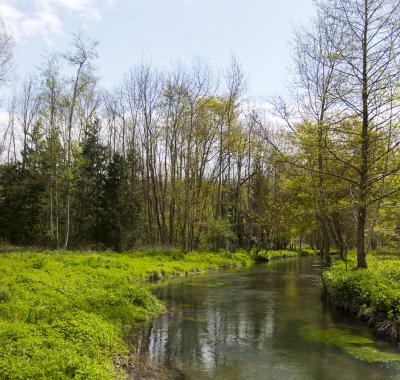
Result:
{"points": [[266, 322]]}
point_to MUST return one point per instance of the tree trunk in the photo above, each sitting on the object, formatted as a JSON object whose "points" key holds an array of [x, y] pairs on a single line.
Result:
{"points": [[361, 222], [363, 188]]}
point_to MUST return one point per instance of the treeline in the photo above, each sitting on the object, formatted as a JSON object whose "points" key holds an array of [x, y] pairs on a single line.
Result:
{"points": [[167, 158], [180, 157]]}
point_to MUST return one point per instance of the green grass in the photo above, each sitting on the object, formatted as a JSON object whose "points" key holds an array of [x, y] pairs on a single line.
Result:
{"points": [[374, 293], [284, 254], [66, 315]]}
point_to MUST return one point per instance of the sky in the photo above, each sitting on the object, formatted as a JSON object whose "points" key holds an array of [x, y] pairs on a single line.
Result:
{"points": [[163, 32]]}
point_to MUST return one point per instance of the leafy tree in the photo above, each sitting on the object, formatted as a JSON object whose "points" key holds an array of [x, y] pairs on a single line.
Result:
{"points": [[90, 176], [121, 205]]}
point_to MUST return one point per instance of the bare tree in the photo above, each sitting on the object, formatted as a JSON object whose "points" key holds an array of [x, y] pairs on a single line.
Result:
{"points": [[28, 113], [6, 53]]}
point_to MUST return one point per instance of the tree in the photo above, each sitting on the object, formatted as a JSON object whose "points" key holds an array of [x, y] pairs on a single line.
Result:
{"points": [[315, 77], [50, 108], [364, 35], [80, 59], [6, 53], [121, 206], [89, 180], [23, 195]]}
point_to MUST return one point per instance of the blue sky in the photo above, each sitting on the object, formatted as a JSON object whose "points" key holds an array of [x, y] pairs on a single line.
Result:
{"points": [[258, 32]]}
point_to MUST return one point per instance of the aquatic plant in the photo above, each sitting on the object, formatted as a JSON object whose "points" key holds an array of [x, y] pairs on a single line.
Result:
{"points": [[358, 346]]}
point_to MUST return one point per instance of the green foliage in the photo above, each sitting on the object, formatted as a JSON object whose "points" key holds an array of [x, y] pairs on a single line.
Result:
{"points": [[375, 291], [89, 181], [65, 315], [121, 204], [38, 262], [21, 205], [282, 254], [5, 294], [273, 255], [218, 234]]}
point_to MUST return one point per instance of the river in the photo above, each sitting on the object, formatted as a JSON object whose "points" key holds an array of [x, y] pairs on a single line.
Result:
{"points": [[266, 322]]}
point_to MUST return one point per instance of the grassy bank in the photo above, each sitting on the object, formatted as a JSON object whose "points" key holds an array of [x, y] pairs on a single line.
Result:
{"points": [[372, 294], [265, 255], [65, 315]]}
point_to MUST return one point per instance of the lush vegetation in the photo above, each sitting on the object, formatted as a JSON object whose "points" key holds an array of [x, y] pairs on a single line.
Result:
{"points": [[178, 158], [373, 294], [265, 255], [66, 315]]}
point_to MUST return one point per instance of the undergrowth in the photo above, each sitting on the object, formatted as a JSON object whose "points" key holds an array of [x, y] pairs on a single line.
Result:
{"points": [[373, 293], [283, 254]]}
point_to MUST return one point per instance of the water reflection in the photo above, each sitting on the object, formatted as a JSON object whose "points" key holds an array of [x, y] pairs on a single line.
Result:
{"points": [[246, 325]]}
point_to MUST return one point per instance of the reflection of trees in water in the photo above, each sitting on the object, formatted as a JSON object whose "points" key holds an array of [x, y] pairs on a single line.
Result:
{"points": [[248, 325], [208, 326], [213, 327]]}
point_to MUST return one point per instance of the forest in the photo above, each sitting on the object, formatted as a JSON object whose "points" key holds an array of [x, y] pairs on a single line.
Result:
{"points": [[184, 160]]}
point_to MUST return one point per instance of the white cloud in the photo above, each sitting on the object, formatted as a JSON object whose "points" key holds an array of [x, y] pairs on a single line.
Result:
{"points": [[40, 24], [85, 8], [43, 18]]}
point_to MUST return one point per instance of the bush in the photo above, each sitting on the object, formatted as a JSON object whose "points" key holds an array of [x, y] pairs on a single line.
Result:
{"points": [[218, 234]]}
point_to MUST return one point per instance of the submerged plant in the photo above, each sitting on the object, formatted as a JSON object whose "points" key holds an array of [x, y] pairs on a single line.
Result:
{"points": [[360, 347], [372, 355]]}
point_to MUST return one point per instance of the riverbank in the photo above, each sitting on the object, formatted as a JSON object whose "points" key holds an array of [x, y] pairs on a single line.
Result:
{"points": [[266, 256], [372, 294], [66, 315]]}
